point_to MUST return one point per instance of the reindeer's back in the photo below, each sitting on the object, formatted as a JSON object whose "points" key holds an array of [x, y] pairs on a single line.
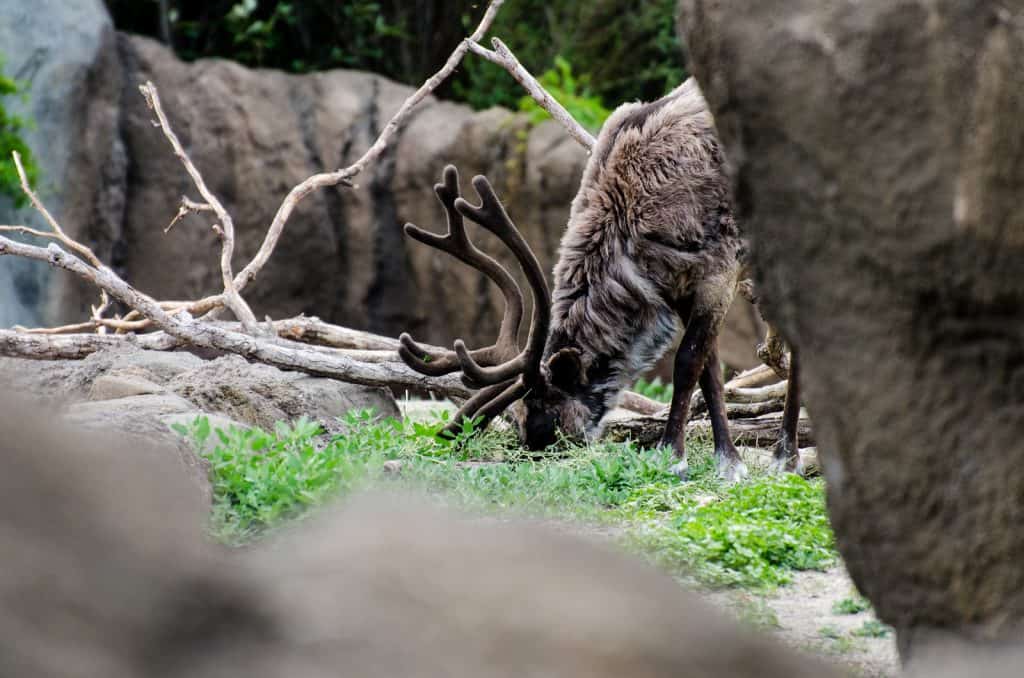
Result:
{"points": [[654, 192]]}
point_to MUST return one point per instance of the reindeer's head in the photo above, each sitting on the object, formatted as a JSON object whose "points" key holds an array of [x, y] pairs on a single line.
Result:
{"points": [[554, 391]]}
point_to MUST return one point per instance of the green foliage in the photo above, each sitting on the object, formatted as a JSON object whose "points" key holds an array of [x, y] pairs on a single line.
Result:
{"points": [[11, 129], [655, 389], [872, 628], [262, 479], [753, 536], [852, 605], [626, 48], [573, 93]]}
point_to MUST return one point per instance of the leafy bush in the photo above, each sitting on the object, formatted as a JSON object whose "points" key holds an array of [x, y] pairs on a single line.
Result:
{"points": [[627, 48], [261, 479], [573, 93], [11, 129]]}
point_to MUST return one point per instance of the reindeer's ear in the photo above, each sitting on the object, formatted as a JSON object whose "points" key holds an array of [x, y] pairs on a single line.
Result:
{"points": [[566, 367]]}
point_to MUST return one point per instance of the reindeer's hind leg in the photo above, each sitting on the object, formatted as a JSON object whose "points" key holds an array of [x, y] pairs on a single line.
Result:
{"points": [[787, 451], [730, 465]]}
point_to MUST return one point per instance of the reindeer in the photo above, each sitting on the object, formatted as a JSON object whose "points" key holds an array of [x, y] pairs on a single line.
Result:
{"points": [[652, 242]]}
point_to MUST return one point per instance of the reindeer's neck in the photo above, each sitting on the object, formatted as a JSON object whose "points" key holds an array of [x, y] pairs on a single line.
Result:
{"points": [[618, 322]]}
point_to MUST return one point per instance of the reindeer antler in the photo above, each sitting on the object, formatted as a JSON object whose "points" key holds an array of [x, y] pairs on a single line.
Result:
{"points": [[501, 371]]}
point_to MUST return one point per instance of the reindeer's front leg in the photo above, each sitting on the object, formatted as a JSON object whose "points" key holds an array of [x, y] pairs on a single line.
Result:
{"points": [[698, 343]]}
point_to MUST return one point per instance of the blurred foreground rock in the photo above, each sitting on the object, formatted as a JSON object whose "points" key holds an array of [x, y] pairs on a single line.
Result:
{"points": [[107, 574], [878, 150]]}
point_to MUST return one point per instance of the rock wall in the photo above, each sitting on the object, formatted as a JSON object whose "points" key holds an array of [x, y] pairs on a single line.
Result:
{"points": [[113, 182], [878, 150], [65, 51]]}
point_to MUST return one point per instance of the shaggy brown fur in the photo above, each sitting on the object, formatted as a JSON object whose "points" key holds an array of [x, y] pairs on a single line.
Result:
{"points": [[651, 242]]}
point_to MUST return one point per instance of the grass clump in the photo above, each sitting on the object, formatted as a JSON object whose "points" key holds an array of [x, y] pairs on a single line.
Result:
{"points": [[754, 536], [855, 604], [262, 479], [872, 628]]}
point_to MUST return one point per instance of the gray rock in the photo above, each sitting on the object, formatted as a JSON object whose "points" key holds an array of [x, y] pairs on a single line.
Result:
{"points": [[137, 423], [259, 395], [72, 380], [122, 385], [878, 164], [65, 50]]}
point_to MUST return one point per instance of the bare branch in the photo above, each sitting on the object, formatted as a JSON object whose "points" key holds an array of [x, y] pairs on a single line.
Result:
{"points": [[57, 232], [232, 299], [344, 176], [503, 56]]}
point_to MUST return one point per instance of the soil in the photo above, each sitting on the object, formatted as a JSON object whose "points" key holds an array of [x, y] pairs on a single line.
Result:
{"points": [[801, 615]]}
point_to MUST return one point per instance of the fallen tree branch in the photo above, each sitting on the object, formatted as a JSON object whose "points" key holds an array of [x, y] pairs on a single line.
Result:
{"points": [[761, 431], [208, 335], [634, 402], [16, 344]]}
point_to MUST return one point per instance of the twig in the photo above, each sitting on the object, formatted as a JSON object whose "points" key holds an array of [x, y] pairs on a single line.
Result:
{"points": [[187, 207], [56, 232], [226, 228], [503, 56]]}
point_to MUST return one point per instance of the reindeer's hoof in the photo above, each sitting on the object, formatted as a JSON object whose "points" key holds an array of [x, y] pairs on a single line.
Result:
{"points": [[680, 469], [732, 470], [789, 463]]}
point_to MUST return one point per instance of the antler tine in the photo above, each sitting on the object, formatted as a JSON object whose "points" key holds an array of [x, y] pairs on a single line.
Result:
{"points": [[456, 242], [471, 408], [491, 215]]}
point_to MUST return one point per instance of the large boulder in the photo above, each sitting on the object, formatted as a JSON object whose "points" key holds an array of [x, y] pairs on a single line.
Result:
{"points": [[65, 51], [878, 150]]}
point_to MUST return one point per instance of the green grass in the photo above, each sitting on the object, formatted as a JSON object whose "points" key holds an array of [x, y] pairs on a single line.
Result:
{"points": [[872, 628], [753, 534], [855, 604]]}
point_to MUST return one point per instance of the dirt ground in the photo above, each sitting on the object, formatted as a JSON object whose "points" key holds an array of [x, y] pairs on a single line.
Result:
{"points": [[801, 615]]}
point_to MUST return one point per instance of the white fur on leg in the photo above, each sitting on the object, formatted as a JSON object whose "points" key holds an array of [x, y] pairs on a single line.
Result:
{"points": [[681, 469], [731, 470]]}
